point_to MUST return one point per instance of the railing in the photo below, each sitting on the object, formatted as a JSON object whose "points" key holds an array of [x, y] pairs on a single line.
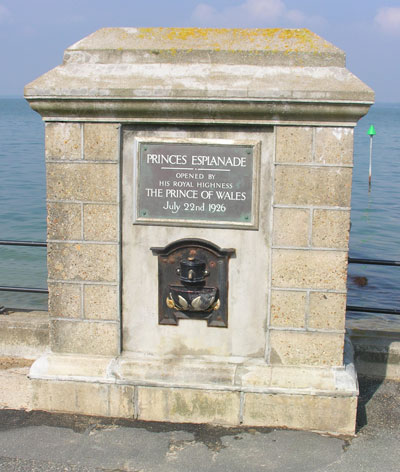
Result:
{"points": [[6, 288], [352, 260], [363, 309]]}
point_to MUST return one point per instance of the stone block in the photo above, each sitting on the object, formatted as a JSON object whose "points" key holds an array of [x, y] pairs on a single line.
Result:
{"points": [[91, 399], [92, 262], [291, 227], [184, 371], [327, 311], [101, 141], [53, 396], [335, 415], [63, 141], [288, 309], [64, 221], [294, 144], [302, 377], [83, 398], [71, 367], [334, 146], [84, 337], [306, 185], [101, 302], [188, 405], [293, 268], [92, 182], [65, 300], [70, 397], [306, 348], [121, 398], [290, 377], [331, 228], [100, 222]]}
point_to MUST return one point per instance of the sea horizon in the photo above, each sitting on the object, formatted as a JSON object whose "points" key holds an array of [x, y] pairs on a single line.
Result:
{"points": [[21, 96]]}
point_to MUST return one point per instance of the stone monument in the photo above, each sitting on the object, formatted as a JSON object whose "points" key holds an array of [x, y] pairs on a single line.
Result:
{"points": [[198, 188]]}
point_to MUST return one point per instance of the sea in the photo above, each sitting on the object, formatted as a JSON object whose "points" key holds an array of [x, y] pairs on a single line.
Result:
{"points": [[375, 215]]}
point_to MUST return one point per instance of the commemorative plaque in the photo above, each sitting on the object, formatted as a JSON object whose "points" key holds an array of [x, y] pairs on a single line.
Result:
{"points": [[196, 183]]}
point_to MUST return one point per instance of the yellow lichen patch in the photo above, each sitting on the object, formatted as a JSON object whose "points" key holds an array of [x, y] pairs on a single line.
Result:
{"points": [[299, 40], [185, 33], [176, 41], [274, 39]]}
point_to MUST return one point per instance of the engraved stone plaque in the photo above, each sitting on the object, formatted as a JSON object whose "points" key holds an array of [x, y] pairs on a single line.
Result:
{"points": [[196, 183]]}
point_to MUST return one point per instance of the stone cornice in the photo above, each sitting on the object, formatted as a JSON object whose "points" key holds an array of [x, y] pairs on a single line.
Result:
{"points": [[200, 111], [193, 76]]}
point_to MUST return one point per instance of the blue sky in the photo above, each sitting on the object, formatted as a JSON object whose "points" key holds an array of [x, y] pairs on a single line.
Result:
{"points": [[34, 33]]}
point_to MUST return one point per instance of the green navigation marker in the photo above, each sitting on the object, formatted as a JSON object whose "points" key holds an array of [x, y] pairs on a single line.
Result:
{"points": [[371, 133]]}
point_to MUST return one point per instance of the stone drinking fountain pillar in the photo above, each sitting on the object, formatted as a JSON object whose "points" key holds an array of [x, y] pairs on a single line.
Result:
{"points": [[198, 187]]}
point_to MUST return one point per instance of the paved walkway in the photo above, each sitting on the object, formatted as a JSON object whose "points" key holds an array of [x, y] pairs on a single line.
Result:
{"points": [[37, 442]]}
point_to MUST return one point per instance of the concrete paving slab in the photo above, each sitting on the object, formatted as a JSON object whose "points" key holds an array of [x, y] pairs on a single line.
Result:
{"points": [[376, 342], [24, 333]]}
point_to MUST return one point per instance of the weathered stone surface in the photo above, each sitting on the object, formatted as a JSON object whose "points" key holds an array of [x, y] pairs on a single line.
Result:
{"points": [[193, 45], [291, 227], [188, 405], [183, 371], [71, 366], [293, 378], [90, 399], [101, 302], [75, 397], [317, 413], [260, 68], [306, 348], [63, 141], [91, 182], [301, 377], [64, 221], [95, 262], [294, 144], [84, 337], [122, 401], [100, 222], [309, 269], [101, 141], [65, 300], [304, 185], [331, 228], [327, 311], [334, 145], [288, 309], [15, 389]]}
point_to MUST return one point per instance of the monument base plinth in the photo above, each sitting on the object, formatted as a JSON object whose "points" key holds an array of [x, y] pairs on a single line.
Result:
{"points": [[230, 392]]}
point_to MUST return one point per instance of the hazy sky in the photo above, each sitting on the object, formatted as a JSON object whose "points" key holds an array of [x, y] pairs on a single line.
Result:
{"points": [[34, 33]]}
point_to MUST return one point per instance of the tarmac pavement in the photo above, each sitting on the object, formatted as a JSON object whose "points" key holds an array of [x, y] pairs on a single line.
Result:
{"points": [[44, 442]]}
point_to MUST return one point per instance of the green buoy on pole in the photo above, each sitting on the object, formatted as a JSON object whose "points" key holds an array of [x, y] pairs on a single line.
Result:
{"points": [[371, 132]]}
